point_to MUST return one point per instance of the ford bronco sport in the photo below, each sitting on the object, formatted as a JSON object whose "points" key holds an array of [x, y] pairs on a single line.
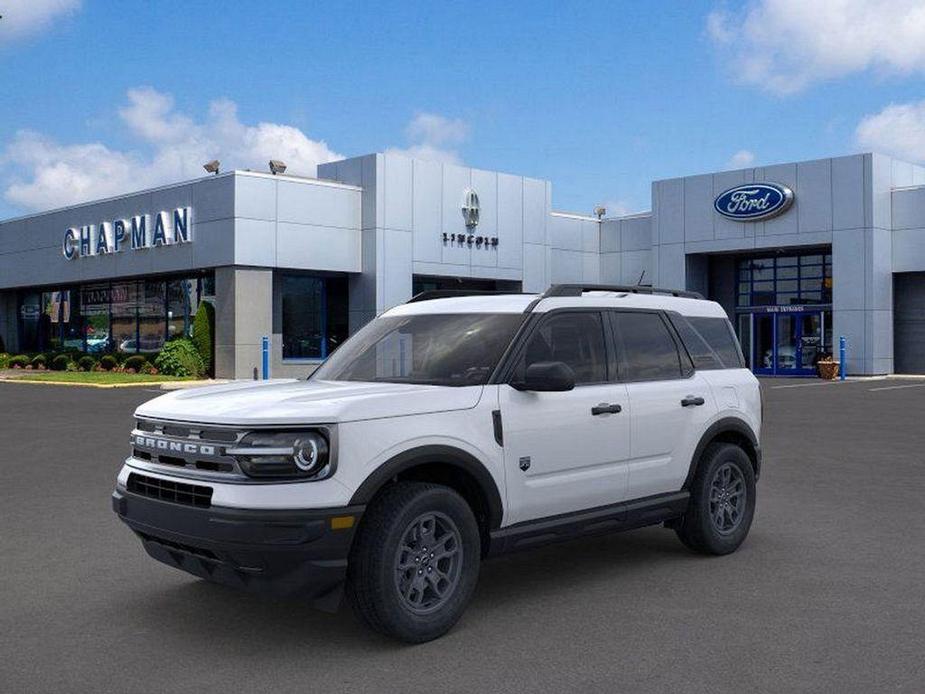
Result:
{"points": [[447, 430]]}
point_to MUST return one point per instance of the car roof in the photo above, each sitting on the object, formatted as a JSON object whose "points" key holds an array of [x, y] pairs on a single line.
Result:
{"points": [[519, 303]]}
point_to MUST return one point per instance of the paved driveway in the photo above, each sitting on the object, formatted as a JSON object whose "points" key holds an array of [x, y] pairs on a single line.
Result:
{"points": [[827, 594]]}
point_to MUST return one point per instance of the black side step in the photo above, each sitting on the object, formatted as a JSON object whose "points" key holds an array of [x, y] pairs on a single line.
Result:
{"points": [[605, 519]]}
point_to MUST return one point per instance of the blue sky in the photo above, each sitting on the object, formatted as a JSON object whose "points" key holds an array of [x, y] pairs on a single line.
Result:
{"points": [[598, 97]]}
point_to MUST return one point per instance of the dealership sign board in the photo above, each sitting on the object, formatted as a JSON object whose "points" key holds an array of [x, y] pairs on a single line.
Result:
{"points": [[166, 228], [754, 202]]}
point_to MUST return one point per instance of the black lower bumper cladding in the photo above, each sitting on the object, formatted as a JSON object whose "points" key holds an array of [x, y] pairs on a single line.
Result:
{"points": [[288, 553]]}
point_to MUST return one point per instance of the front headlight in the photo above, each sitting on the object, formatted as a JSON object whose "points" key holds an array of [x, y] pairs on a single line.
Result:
{"points": [[294, 454]]}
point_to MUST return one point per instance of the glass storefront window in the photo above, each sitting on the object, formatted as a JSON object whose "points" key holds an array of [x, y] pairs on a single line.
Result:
{"points": [[128, 316], [124, 313], [314, 315], [181, 307], [785, 280], [151, 330], [94, 308]]}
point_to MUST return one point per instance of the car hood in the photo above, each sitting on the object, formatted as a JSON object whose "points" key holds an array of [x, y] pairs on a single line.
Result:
{"points": [[305, 402]]}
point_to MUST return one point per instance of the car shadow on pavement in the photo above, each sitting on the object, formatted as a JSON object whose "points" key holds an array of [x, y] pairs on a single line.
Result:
{"points": [[197, 611]]}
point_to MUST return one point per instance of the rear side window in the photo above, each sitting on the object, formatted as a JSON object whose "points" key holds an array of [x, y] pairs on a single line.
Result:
{"points": [[647, 349], [718, 334], [703, 356], [576, 339]]}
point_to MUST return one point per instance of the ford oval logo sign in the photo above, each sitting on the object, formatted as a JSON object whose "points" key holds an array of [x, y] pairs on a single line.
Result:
{"points": [[754, 202]]}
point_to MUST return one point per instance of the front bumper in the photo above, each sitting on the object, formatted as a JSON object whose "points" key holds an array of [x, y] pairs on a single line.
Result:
{"points": [[290, 553]]}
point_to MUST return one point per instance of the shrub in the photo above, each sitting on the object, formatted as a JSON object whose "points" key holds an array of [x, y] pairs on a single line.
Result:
{"points": [[20, 361], [87, 363], [108, 362], [60, 363], [203, 331], [72, 366], [179, 358], [4, 360], [39, 361], [136, 362]]}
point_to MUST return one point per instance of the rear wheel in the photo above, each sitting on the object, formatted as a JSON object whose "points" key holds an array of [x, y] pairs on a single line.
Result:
{"points": [[722, 501], [415, 561]]}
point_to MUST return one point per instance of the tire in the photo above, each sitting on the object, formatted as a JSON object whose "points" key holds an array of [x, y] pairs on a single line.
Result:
{"points": [[720, 526], [396, 587]]}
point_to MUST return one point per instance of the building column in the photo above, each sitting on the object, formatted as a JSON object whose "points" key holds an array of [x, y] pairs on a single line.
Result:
{"points": [[243, 315]]}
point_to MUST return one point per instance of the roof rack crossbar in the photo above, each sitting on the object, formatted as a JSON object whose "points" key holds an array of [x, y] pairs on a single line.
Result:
{"points": [[429, 294], [578, 289]]}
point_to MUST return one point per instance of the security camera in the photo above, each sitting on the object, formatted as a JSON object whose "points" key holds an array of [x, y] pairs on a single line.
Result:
{"points": [[277, 166], [212, 166]]}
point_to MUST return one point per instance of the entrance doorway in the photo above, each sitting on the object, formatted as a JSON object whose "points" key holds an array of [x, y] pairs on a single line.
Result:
{"points": [[783, 342]]}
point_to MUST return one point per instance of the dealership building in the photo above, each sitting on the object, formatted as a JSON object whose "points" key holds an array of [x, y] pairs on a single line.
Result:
{"points": [[798, 254]]}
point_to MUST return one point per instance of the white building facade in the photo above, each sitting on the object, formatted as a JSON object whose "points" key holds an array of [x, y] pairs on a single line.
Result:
{"points": [[307, 262]]}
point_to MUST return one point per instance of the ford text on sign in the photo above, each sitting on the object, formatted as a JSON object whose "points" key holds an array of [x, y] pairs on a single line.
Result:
{"points": [[754, 201]]}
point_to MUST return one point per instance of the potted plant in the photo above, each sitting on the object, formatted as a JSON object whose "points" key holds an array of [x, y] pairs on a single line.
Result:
{"points": [[827, 367]]}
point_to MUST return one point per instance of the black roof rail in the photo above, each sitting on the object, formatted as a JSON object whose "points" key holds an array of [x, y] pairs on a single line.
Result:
{"points": [[579, 289], [453, 293]]}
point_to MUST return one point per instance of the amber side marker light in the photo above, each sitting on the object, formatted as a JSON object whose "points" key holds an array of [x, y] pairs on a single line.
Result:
{"points": [[342, 522]]}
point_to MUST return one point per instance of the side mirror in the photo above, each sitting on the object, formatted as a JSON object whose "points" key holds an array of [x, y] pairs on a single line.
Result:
{"points": [[547, 376]]}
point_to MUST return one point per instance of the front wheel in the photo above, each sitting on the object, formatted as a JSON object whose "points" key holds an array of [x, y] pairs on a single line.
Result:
{"points": [[722, 501], [415, 561]]}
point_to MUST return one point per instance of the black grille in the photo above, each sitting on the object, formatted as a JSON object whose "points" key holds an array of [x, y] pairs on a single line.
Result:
{"points": [[167, 490]]}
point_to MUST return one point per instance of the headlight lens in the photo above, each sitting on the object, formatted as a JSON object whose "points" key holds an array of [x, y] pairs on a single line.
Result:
{"points": [[302, 454]]}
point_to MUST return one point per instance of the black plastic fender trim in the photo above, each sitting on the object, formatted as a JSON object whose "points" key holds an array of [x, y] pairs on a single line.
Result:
{"points": [[423, 455], [724, 426]]}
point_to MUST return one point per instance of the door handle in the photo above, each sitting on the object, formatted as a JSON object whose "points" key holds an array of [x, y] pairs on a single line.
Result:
{"points": [[692, 400], [605, 408]]}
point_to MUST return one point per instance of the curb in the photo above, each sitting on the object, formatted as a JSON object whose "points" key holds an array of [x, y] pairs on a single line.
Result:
{"points": [[156, 384]]}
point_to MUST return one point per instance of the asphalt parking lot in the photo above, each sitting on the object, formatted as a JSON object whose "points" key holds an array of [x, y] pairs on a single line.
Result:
{"points": [[827, 594]]}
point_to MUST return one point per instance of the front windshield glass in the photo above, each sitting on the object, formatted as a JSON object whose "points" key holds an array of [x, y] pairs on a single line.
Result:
{"points": [[435, 349]]}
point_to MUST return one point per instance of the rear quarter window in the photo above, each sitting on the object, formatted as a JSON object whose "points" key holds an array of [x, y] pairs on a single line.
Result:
{"points": [[710, 342]]}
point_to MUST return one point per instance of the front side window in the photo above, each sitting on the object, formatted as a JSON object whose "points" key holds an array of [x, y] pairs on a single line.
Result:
{"points": [[575, 339], [649, 352], [433, 349]]}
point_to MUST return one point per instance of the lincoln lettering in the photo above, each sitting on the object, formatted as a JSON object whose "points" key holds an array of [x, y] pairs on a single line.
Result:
{"points": [[166, 228]]}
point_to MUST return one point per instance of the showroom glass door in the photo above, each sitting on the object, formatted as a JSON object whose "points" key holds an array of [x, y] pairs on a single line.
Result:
{"points": [[787, 344]]}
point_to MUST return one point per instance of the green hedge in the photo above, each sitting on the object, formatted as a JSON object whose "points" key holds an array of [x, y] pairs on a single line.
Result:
{"points": [[20, 360], [203, 335], [60, 363], [87, 363], [179, 358], [4, 360], [109, 362], [136, 361]]}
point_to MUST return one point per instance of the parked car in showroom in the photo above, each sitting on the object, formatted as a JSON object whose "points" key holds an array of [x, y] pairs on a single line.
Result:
{"points": [[447, 430]]}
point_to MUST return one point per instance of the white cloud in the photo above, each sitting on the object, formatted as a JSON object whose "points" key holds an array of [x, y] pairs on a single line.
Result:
{"points": [[25, 17], [741, 159], [43, 173], [434, 137], [899, 129], [785, 45]]}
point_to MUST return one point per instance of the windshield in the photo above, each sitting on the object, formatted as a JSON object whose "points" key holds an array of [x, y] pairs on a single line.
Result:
{"points": [[434, 349]]}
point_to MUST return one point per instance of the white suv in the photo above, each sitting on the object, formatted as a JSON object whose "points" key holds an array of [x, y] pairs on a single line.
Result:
{"points": [[448, 430]]}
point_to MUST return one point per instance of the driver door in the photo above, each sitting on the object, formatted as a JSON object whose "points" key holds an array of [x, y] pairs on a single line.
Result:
{"points": [[562, 452]]}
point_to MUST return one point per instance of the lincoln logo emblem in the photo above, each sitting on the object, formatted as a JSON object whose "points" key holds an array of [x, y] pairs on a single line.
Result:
{"points": [[470, 208]]}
